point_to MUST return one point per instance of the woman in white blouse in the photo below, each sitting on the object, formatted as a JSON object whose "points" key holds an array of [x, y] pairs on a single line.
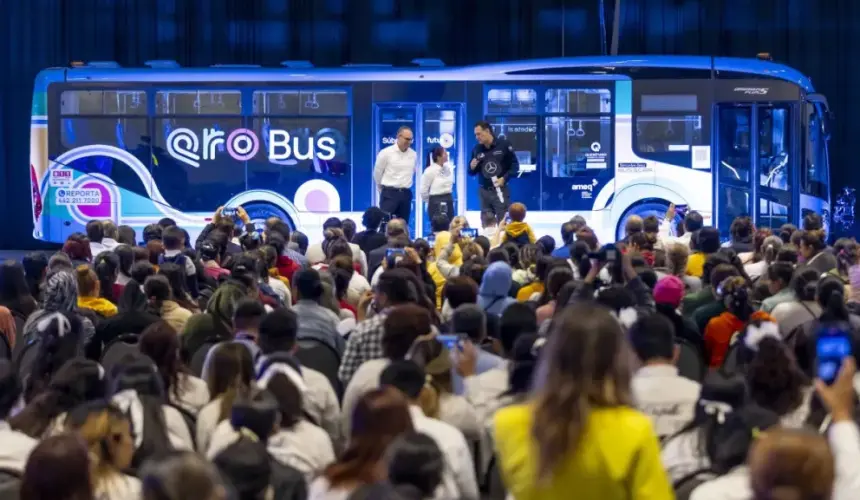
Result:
{"points": [[160, 342], [437, 184]]}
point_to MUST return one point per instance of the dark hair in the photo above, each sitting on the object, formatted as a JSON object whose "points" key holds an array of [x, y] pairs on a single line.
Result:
{"points": [[559, 275], [78, 380], [568, 229], [106, 266], [775, 381], [126, 235], [845, 250], [759, 238], [10, 388], [35, 265], [332, 222], [152, 232], [95, 231], [651, 224], [812, 222], [157, 290], [290, 400], [471, 320], [125, 256], [249, 313], [229, 373], [132, 298], [720, 395], [653, 337], [546, 244], [250, 241], [439, 222], [415, 462], [707, 240], [172, 237], [396, 286], [786, 231], [278, 331], [275, 225], [485, 125], [58, 468], [160, 342], [831, 297], [524, 357], [142, 270], [379, 417], [814, 239], [166, 222], [258, 412], [348, 228], [498, 254], [460, 290], [138, 373], [516, 319], [788, 253], [176, 277], [59, 340], [742, 228], [805, 284], [693, 221], [401, 327], [735, 294], [179, 475], [308, 284], [721, 272], [155, 249], [780, 271], [372, 218], [643, 240], [13, 283], [437, 153]]}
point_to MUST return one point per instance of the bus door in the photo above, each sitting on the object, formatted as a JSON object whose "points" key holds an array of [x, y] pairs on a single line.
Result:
{"points": [[432, 124], [756, 163]]}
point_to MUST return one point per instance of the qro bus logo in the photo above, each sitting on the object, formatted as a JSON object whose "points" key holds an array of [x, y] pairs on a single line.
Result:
{"points": [[243, 144]]}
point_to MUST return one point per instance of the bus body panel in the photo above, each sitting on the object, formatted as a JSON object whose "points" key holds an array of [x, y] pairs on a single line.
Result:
{"points": [[138, 184]]}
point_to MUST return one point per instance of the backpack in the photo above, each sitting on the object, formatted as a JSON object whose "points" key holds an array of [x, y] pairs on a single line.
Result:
{"points": [[178, 259]]}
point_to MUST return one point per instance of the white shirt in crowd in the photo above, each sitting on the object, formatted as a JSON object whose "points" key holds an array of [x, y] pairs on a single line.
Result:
{"points": [[207, 421], [16, 448], [315, 255], [281, 291], [193, 394], [437, 179], [177, 429], [190, 270], [118, 487], [320, 403], [106, 245], [681, 455], [305, 447], [395, 168], [457, 411], [666, 397], [790, 315], [365, 379], [458, 480]]}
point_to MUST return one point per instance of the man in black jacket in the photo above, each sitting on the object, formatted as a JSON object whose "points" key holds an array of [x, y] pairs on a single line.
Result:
{"points": [[398, 237]]}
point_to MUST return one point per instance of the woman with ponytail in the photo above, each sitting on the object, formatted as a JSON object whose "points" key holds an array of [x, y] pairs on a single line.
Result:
{"points": [[794, 313], [735, 295], [91, 296], [125, 254], [438, 399], [247, 464], [580, 421], [135, 314], [767, 248], [107, 433], [106, 266], [229, 373], [160, 296]]}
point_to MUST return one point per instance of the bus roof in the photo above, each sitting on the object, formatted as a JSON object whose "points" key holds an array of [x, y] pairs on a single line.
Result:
{"points": [[595, 66]]}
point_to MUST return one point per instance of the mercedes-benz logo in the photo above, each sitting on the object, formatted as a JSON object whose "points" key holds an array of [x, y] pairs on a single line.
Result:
{"points": [[491, 168]]}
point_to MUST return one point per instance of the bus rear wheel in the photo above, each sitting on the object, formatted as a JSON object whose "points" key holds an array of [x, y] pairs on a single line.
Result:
{"points": [[260, 211], [644, 209]]}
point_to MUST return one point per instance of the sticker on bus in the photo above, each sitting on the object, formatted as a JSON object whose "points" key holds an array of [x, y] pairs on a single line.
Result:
{"points": [[701, 157], [61, 178], [79, 197], [633, 167]]}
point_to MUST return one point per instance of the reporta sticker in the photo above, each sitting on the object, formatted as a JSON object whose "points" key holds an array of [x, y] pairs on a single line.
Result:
{"points": [[79, 197], [61, 178]]}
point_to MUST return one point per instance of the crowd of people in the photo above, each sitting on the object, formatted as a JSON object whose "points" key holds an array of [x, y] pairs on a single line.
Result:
{"points": [[251, 364]]}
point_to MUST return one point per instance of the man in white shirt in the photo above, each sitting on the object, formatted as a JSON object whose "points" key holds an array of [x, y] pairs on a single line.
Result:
{"points": [[95, 233], [394, 173], [458, 480], [111, 235], [692, 222], [658, 391]]}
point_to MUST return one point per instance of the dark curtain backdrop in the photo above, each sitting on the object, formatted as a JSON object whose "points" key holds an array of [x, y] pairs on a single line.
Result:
{"points": [[817, 37]]}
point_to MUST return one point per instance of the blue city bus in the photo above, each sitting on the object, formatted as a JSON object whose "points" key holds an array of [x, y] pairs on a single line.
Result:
{"points": [[602, 137]]}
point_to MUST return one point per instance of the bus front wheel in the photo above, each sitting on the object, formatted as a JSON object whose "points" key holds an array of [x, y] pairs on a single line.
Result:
{"points": [[260, 211], [644, 209]]}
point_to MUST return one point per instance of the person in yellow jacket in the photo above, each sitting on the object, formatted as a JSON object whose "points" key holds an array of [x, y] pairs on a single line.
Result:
{"points": [[517, 230], [579, 436]]}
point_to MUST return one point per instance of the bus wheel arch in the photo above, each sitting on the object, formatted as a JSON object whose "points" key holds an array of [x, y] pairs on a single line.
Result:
{"points": [[261, 204], [259, 211], [643, 208]]}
